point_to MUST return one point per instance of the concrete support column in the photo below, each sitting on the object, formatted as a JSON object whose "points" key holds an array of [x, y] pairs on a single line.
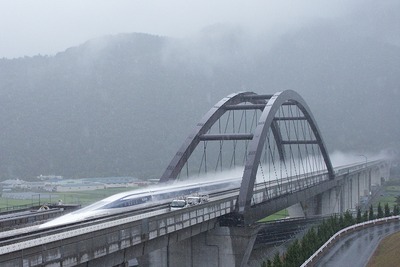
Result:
{"points": [[155, 258], [296, 211], [346, 194], [330, 201], [355, 195], [366, 183], [310, 206], [222, 246], [234, 246], [376, 176], [116, 259], [359, 200]]}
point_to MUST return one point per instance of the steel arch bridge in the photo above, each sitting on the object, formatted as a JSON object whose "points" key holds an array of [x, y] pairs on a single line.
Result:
{"points": [[269, 139]]}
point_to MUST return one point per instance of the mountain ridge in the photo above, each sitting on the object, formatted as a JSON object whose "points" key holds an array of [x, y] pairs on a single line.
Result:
{"points": [[122, 105]]}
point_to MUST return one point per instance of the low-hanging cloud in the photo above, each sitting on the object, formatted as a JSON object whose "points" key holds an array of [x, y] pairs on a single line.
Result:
{"points": [[47, 27]]}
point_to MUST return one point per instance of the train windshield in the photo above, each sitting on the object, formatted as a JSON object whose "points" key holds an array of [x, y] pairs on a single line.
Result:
{"points": [[178, 203]]}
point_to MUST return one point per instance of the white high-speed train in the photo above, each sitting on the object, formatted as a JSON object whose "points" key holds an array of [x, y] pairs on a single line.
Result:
{"points": [[131, 200]]}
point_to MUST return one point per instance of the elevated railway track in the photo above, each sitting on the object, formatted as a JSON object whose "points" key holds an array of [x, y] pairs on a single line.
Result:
{"points": [[263, 191]]}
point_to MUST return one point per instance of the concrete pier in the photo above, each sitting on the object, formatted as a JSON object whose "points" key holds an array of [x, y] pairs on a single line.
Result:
{"points": [[191, 236], [222, 246]]}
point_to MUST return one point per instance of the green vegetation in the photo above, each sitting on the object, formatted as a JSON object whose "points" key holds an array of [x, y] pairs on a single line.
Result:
{"points": [[276, 216], [300, 250], [5, 202], [387, 252], [80, 197], [392, 192], [87, 197]]}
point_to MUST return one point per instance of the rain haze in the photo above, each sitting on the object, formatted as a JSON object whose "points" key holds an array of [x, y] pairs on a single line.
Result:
{"points": [[46, 27], [139, 110], [113, 88]]}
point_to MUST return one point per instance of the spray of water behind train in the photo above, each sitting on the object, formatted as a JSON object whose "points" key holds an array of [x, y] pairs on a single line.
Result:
{"points": [[150, 196]]}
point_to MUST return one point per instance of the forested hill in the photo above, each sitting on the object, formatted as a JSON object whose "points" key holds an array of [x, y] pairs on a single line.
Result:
{"points": [[122, 105]]}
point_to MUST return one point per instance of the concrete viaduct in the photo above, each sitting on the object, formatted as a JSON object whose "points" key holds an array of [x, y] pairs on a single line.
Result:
{"points": [[273, 139]]}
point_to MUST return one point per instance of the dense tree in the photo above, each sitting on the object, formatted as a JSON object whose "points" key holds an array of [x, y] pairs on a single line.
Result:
{"points": [[365, 216], [359, 216], [309, 243], [371, 215], [341, 221], [397, 200], [387, 210], [348, 219], [380, 211], [396, 210], [277, 262], [293, 255], [300, 251]]}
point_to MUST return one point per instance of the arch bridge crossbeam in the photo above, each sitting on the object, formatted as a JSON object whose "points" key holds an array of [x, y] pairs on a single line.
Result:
{"points": [[272, 122], [231, 102]]}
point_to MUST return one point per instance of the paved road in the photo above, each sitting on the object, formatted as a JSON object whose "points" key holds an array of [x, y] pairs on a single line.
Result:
{"points": [[355, 249]]}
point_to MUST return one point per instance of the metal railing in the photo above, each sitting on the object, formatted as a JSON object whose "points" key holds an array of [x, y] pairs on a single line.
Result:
{"points": [[325, 247]]}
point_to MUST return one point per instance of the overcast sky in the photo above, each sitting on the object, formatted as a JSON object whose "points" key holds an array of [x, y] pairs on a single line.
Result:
{"points": [[30, 27]]}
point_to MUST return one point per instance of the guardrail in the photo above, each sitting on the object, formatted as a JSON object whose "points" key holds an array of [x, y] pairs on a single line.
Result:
{"points": [[268, 190], [119, 234], [335, 238], [357, 167], [9, 209], [30, 218]]}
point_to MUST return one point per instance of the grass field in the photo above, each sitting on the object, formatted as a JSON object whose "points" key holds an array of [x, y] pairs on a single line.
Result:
{"points": [[87, 197], [387, 253], [81, 197], [276, 216], [5, 202], [389, 195]]}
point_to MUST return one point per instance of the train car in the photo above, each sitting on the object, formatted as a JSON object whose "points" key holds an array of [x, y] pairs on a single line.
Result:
{"points": [[136, 199]]}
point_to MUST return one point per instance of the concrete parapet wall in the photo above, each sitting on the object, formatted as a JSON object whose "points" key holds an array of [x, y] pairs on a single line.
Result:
{"points": [[31, 218], [113, 243]]}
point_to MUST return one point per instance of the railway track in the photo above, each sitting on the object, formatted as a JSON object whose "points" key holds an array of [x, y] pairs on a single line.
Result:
{"points": [[34, 232]]}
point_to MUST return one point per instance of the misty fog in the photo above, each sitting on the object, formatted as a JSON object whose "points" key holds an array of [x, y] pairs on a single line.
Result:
{"points": [[121, 104]]}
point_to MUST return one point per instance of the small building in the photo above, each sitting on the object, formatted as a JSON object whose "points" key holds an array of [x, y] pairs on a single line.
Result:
{"points": [[49, 177], [12, 183], [77, 187], [33, 185], [115, 182]]}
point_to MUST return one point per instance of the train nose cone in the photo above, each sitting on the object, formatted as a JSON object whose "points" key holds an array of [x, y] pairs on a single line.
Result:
{"points": [[65, 219]]}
